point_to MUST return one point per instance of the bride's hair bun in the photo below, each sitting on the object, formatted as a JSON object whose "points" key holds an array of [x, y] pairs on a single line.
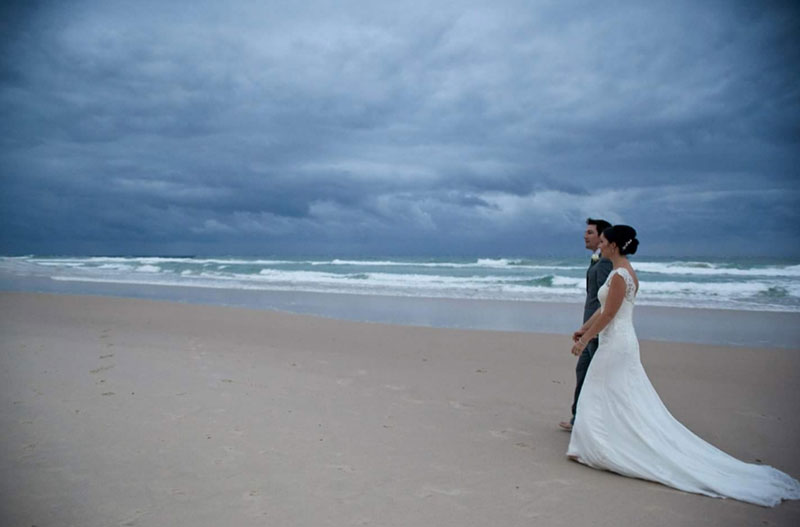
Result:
{"points": [[624, 236], [632, 245]]}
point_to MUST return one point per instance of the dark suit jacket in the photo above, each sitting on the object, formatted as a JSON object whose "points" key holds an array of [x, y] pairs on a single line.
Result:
{"points": [[595, 277]]}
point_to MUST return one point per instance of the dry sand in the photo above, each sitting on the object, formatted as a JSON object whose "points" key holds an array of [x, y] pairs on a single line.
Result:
{"points": [[135, 412]]}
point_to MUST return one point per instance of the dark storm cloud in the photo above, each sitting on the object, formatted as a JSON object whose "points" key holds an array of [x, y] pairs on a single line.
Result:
{"points": [[258, 127]]}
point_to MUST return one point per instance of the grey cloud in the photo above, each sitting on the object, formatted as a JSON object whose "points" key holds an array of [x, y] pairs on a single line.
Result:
{"points": [[375, 128]]}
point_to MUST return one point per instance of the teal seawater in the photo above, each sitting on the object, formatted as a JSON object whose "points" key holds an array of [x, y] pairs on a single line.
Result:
{"points": [[725, 284]]}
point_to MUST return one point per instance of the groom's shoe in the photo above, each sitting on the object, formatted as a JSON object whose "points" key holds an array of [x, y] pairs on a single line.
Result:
{"points": [[566, 426]]}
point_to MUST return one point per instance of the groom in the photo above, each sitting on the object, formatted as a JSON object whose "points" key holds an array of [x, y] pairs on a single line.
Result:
{"points": [[599, 269]]}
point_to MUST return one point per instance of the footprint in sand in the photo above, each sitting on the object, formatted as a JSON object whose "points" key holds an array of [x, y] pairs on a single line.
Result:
{"points": [[429, 491], [508, 433], [759, 415], [132, 521], [341, 468]]}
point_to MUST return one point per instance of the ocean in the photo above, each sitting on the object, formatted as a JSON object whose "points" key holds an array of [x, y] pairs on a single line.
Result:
{"points": [[735, 285], [733, 302]]}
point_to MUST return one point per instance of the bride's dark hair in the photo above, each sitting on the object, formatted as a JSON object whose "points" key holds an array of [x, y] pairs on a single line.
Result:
{"points": [[624, 236]]}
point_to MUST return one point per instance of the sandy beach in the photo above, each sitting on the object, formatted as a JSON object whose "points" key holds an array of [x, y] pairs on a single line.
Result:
{"points": [[146, 413]]}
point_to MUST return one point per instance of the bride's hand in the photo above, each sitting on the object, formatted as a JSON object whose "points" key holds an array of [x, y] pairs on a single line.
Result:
{"points": [[578, 334], [577, 348]]}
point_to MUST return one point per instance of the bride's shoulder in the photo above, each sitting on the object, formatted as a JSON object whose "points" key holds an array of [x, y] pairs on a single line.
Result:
{"points": [[629, 277], [626, 272]]}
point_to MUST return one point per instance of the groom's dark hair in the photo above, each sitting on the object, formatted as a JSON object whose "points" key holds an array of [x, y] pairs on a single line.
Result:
{"points": [[600, 225]]}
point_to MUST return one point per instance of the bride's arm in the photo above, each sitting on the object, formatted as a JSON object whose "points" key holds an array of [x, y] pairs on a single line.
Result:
{"points": [[601, 317], [586, 325]]}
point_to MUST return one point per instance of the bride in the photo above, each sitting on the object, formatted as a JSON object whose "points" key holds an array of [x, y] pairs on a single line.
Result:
{"points": [[621, 424]]}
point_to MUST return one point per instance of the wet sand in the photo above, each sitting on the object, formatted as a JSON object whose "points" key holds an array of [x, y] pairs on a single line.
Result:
{"points": [[138, 412], [723, 327]]}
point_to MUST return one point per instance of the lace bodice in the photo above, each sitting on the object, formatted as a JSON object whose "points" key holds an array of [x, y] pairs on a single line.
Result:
{"points": [[630, 285], [623, 320]]}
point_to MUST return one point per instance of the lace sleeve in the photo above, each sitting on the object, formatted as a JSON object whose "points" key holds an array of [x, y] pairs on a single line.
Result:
{"points": [[630, 283]]}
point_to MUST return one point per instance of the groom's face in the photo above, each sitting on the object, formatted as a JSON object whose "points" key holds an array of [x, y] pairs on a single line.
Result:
{"points": [[591, 238]]}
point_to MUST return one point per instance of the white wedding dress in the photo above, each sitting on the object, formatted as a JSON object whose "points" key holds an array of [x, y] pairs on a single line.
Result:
{"points": [[621, 425]]}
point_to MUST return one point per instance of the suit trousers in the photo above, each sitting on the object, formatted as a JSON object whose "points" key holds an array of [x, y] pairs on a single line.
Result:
{"points": [[580, 371]]}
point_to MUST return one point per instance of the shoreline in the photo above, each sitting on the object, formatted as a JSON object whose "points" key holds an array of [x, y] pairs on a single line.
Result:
{"points": [[740, 328], [140, 412]]}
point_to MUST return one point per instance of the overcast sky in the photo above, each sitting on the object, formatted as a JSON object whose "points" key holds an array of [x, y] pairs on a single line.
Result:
{"points": [[398, 128]]}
